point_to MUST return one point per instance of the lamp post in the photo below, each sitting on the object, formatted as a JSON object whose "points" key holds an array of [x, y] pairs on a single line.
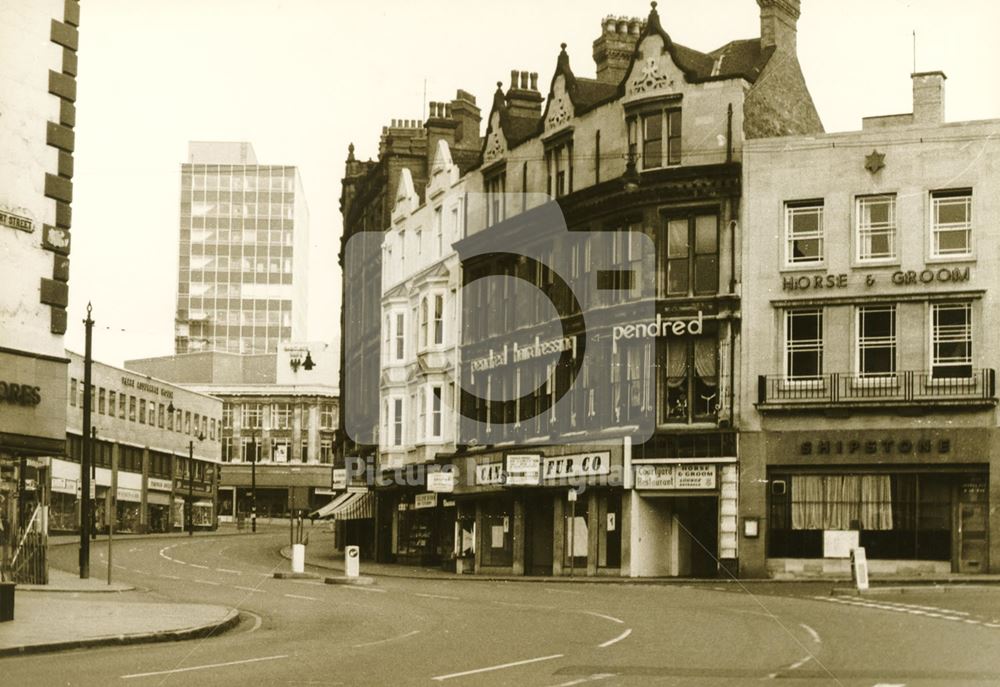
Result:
{"points": [[190, 503]]}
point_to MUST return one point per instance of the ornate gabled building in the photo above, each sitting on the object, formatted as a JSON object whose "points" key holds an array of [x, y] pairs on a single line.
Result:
{"points": [[598, 427]]}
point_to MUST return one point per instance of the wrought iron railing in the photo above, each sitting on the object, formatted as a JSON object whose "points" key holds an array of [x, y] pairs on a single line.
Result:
{"points": [[908, 386]]}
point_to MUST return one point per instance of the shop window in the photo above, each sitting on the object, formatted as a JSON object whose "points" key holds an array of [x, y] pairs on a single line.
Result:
{"points": [[876, 228], [496, 544], [804, 232], [951, 325], [897, 516], [876, 331], [690, 265], [951, 223], [689, 380], [804, 344]]}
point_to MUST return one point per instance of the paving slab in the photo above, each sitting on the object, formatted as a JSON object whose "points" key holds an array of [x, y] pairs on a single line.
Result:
{"points": [[61, 581]]}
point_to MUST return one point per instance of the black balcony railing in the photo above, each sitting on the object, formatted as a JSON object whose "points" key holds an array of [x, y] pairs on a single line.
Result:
{"points": [[909, 387]]}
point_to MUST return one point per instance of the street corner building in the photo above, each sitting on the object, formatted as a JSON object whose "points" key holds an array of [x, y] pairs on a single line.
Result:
{"points": [[586, 423], [38, 92], [155, 448], [277, 423], [869, 301]]}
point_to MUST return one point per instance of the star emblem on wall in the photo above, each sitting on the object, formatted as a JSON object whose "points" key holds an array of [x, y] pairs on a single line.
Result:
{"points": [[874, 161]]}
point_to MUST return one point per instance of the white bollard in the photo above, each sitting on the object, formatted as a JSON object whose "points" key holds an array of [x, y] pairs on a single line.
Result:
{"points": [[298, 558], [351, 561]]}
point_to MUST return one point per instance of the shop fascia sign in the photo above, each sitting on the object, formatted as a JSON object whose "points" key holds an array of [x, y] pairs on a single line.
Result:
{"points": [[519, 354], [523, 470], [158, 484], [489, 473], [680, 476], [821, 282], [127, 494], [442, 481], [429, 500], [576, 465], [142, 385]]}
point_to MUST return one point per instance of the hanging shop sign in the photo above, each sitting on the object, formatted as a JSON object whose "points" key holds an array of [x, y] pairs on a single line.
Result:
{"points": [[339, 479], [523, 470], [680, 476], [577, 465], [441, 482], [489, 473], [425, 500]]}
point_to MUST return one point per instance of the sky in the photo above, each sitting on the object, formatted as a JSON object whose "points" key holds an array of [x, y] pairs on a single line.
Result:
{"points": [[301, 79]]}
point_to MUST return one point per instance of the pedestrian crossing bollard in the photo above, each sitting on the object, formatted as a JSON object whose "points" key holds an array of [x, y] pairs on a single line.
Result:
{"points": [[351, 561], [298, 558]]}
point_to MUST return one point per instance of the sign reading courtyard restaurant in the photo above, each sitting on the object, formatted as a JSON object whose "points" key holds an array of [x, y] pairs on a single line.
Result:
{"points": [[682, 476]]}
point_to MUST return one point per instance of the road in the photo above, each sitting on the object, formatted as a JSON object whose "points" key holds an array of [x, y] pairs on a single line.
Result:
{"points": [[427, 632]]}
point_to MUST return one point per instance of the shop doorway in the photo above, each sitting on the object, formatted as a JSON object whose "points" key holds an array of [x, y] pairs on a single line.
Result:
{"points": [[538, 534], [697, 535]]}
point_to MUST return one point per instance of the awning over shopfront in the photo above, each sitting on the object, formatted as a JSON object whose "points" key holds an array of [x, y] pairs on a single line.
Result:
{"points": [[348, 506]]}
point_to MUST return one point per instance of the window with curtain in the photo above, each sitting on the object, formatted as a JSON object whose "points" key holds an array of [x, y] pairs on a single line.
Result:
{"points": [[841, 502], [689, 380]]}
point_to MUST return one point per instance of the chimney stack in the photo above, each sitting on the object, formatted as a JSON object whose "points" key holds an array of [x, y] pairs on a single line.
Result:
{"points": [[466, 113], [613, 50], [440, 126], [778, 20], [928, 97], [523, 98]]}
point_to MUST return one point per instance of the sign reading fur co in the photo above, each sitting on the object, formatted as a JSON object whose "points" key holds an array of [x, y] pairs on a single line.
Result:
{"points": [[577, 465], [682, 476]]}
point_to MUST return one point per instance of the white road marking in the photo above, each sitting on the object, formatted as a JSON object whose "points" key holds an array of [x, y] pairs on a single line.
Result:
{"points": [[891, 684], [311, 584], [299, 596], [248, 589], [232, 572], [812, 633], [204, 667], [798, 664], [214, 584], [441, 678], [195, 565], [142, 572], [170, 577], [362, 589], [617, 639], [257, 620], [437, 596], [590, 678], [606, 617], [383, 641]]}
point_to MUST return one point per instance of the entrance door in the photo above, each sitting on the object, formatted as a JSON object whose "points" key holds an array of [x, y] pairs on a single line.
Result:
{"points": [[538, 515], [972, 526], [698, 535]]}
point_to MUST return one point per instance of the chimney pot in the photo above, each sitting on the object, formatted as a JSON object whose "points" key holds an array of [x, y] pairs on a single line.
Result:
{"points": [[513, 78], [447, 110], [524, 80], [534, 81]]}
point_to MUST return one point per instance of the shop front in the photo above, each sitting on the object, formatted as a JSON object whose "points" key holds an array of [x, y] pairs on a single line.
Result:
{"points": [[917, 501], [551, 511], [158, 504], [683, 517]]}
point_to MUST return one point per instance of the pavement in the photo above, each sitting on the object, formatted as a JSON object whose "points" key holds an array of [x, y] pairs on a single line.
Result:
{"points": [[322, 555], [70, 612]]}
